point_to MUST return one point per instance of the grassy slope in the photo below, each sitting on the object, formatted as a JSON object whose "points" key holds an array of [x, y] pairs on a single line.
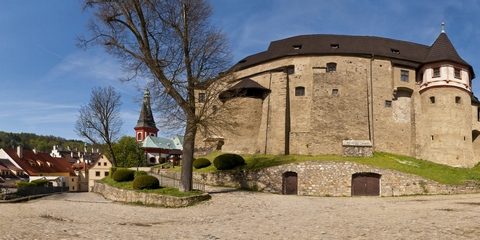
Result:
{"points": [[430, 170]]}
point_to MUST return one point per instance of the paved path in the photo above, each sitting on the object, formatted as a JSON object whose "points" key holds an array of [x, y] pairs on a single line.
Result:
{"points": [[235, 214]]}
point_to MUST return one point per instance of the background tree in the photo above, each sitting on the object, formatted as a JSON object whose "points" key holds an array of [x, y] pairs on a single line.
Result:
{"points": [[99, 121], [127, 153], [171, 42]]}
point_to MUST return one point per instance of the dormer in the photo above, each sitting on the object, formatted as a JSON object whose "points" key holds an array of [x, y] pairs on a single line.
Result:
{"points": [[443, 67]]}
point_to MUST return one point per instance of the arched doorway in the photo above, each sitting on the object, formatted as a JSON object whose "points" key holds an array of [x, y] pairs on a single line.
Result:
{"points": [[366, 184], [290, 183]]}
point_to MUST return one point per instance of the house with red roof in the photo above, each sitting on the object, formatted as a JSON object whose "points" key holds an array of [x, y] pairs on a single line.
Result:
{"points": [[38, 165]]}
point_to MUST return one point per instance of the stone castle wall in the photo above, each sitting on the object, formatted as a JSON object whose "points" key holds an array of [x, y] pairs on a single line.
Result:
{"points": [[319, 178], [364, 99]]}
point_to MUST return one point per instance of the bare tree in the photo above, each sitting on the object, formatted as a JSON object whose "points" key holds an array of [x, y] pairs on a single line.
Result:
{"points": [[169, 41], [99, 121]]}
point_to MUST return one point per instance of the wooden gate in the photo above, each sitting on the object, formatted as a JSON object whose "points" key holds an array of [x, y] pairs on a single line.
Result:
{"points": [[290, 183], [366, 184]]}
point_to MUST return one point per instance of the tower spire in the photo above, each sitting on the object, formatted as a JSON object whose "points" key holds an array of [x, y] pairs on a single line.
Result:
{"points": [[443, 27]]}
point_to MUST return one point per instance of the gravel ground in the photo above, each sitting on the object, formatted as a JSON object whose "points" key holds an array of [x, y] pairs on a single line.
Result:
{"points": [[234, 214]]}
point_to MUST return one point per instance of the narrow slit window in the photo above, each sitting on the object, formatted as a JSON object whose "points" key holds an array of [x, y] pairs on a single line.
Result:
{"points": [[300, 91], [432, 100], [331, 67]]}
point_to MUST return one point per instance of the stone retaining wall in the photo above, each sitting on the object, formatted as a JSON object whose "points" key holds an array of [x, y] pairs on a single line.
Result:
{"points": [[317, 178], [123, 195]]}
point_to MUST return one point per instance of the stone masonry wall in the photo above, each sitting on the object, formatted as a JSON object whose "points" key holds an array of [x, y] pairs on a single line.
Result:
{"points": [[123, 195], [318, 178]]}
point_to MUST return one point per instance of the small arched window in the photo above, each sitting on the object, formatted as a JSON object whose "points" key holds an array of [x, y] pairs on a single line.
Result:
{"points": [[139, 136], [300, 91], [331, 67]]}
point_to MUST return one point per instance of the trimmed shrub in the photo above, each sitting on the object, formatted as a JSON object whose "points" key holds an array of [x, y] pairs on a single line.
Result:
{"points": [[39, 183], [201, 163], [123, 175], [139, 173], [111, 171], [228, 161], [146, 182], [25, 184]]}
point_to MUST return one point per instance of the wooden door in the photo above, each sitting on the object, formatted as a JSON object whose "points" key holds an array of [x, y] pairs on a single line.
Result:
{"points": [[366, 184], [290, 183]]}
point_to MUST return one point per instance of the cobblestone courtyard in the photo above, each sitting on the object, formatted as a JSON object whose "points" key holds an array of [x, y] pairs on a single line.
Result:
{"points": [[232, 214]]}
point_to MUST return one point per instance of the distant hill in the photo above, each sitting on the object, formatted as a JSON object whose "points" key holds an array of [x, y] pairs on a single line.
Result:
{"points": [[30, 141]]}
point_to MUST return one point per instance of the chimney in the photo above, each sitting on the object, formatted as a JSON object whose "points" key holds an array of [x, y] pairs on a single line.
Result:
{"points": [[20, 151]]}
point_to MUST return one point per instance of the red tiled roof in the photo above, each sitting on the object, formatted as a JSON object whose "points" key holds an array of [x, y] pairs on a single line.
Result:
{"points": [[35, 163]]}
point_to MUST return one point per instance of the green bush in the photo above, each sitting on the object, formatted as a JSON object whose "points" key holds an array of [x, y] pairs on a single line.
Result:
{"points": [[228, 161], [39, 183], [123, 175], [201, 163], [111, 171], [139, 173], [146, 182], [24, 184]]}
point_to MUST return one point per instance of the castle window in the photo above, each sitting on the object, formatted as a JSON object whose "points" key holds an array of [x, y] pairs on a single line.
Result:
{"points": [[432, 100], [436, 72], [331, 67], [334, 91], [297, 47], [290, 70], [106, 174], [432, 137], [395, 51], [404, 76], [201, 97], [388, 103], [334, 46], [97, 173], [457, 73], [300, 91], [457, 100], [139, 136]]}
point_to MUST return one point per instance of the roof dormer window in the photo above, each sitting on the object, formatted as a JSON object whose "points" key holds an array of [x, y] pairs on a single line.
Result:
{"points": [[297, 47], [334, 46], [395, 51]]}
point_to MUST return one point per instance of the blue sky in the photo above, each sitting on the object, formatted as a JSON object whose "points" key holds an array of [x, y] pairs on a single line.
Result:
{"points": [[45, 78]]}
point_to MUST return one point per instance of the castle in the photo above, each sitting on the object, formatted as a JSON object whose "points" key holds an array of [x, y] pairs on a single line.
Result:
{"points": [[307, 94]]}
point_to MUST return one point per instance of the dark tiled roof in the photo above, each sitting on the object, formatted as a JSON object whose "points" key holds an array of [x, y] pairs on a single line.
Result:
{"points": [[146, 116], [399, 52], [443, 50]]}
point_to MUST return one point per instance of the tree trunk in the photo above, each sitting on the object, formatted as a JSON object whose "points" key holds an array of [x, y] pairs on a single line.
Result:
{"points": [[187, 160]]}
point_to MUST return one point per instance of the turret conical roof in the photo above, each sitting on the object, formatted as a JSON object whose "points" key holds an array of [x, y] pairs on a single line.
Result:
{"points": [[146, 116]]}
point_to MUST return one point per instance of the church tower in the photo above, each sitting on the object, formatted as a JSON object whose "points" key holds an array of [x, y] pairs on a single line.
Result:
{"points": [[145, 124], [445, 131]]}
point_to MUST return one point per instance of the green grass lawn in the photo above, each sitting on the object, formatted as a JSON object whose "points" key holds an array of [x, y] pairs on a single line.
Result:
{"points": [[163, 191], [430, 170]]}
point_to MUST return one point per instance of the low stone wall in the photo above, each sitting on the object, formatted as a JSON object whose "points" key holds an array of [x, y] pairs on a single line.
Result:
{"points": [[320, 178], [123, 195]]}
